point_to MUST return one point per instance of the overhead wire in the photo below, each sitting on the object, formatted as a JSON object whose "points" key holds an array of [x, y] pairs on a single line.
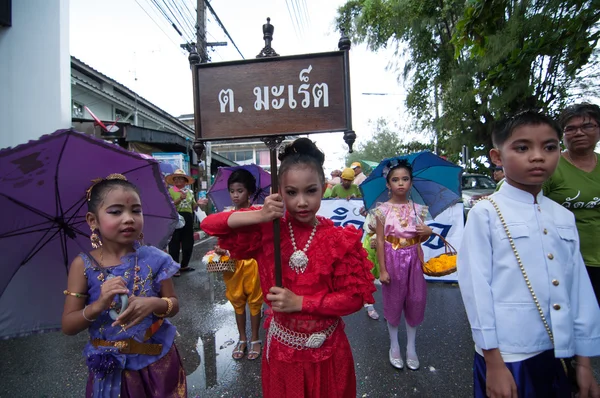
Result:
{"points": [[180, 28], [287, 4], [157, 24], [212, 11], [184, 18]]}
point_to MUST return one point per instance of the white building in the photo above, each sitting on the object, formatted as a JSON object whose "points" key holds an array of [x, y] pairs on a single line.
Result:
{"points": [[35, 92]]}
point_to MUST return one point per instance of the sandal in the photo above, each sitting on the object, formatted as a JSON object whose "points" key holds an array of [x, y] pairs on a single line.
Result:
{"points": [[238, 352], [187, 269], [177, 274], [373, 314], [253, 354]]}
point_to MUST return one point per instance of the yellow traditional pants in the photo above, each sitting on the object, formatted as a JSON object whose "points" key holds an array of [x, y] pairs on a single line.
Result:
{"points": [[243, 286]]}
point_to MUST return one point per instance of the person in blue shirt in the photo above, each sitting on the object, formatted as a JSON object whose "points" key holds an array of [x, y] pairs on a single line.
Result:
{"points": [[527, 295]]}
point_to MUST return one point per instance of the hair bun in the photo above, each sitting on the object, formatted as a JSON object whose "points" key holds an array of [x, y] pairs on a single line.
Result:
{"points": [[302, 146]]}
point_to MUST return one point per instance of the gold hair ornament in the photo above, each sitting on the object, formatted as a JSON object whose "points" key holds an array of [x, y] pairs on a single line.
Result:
{"points": [[96, 181]]}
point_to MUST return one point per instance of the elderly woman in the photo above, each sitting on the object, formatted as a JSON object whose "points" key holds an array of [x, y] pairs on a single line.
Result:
{"points": [[576, 182]]}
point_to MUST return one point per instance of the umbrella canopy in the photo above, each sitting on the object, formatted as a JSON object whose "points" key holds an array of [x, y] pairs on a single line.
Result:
{"points": [[43, 206], [219, 191], [436, 182], [368, 166]]}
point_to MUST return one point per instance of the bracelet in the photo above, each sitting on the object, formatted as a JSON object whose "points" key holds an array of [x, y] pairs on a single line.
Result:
{"points": [[85, 317], [78, 295], [169, 307]]}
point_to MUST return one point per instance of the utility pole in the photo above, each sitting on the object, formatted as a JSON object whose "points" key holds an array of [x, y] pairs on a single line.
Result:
{"points": [[201, 31], [201, 48]]}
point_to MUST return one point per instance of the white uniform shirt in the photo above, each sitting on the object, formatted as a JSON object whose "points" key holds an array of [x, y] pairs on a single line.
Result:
{"points": [[359, 179], [499, 306]]}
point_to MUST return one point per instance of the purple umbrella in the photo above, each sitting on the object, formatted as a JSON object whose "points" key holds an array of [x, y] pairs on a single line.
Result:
{"points": [[43, 228], [219, 191]]}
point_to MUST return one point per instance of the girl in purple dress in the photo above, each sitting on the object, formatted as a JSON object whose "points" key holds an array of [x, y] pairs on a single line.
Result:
{"points": [[400, 231], [131, 352]]}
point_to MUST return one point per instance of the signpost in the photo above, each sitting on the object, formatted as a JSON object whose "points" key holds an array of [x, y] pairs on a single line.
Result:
{"points": [[271, 97]]}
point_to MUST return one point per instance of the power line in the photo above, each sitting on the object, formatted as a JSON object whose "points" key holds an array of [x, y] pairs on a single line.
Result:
{"points": [[156, 23], [290, 14], [212, 11], [306, 13], [181, 25], [183, 17]]}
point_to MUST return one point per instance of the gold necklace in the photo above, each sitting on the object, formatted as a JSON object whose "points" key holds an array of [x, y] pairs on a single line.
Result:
{"points": [[402, 218], [136, 269]]}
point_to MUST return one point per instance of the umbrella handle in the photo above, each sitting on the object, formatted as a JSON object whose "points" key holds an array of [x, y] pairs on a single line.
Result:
{"points": [[114, 314], [124, 302]]}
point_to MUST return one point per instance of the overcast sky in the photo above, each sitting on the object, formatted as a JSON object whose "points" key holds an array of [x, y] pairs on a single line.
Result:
{"points": [[132, 42]]}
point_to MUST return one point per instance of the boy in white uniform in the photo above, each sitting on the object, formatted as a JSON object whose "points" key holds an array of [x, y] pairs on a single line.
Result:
{"points": [[515, 354]]}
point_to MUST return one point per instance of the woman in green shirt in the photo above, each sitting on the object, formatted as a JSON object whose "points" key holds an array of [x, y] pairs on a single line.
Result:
{"points": [[183, 238], [576, 182]]}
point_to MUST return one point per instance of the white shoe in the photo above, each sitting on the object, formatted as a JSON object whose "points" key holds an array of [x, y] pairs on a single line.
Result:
{"points": [[412, 364], [396, 362]]}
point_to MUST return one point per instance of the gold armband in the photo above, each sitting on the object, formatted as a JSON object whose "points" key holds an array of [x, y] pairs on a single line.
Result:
{"points": [[169, 307]]}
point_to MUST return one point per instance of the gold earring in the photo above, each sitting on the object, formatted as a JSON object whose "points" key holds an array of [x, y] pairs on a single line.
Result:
{"points": [[389, 193], [141, 238], [95, 239]]}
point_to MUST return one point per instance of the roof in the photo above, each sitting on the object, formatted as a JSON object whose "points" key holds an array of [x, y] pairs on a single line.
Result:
{"points": [[81, 66]]}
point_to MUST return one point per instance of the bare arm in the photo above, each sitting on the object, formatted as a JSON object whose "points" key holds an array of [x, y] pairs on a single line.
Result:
{"points": [[73, 320], [384, 277], [272, 209]]}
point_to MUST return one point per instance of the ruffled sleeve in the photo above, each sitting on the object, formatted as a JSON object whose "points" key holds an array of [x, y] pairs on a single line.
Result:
{"points": [[352, 281], [241, 242], [380, 212], [166, 267]]}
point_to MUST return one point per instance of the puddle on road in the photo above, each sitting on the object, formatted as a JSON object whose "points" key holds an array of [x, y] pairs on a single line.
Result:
{"points": [[215, 349]]}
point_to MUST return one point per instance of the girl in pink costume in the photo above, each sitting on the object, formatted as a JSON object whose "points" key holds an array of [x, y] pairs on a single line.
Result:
{"points": [[400, 231]]}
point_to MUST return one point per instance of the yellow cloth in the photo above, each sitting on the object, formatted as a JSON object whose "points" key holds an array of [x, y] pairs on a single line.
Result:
{"points": [[243, 286]]}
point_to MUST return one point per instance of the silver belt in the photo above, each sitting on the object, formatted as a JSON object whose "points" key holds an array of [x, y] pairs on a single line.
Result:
{"points": [[297, 340]]}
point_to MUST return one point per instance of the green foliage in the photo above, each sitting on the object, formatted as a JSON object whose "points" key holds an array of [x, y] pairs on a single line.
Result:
{"points": [[385, 143], [478, 61]]}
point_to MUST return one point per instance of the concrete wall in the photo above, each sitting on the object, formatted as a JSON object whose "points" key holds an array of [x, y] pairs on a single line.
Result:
{"points": [[35, 67]]}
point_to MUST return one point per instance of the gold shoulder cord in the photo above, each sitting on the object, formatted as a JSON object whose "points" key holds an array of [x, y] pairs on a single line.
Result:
{"points": [[535, 300]]}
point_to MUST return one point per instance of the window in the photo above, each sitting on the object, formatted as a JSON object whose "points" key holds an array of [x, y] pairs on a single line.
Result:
{"points": [[77, 111], [263, 158], [477, 182], [241, 157]]}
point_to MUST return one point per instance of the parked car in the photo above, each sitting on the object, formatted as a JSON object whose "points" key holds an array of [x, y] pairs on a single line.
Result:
{"points": [[475, 187]]}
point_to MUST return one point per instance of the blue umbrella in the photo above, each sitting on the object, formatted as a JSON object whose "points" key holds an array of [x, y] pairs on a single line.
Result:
{"points": [[436, 182]]}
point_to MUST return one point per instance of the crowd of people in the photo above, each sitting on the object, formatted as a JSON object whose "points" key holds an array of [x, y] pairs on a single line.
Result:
{"points": [[527, 270]]}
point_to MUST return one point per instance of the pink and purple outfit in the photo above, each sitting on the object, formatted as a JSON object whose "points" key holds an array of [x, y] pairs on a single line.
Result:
{"points": [[149, 366], [407, 290]]}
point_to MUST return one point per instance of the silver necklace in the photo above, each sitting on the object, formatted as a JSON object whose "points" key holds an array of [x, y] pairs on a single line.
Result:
{"points": [[573, 163], [299, 260]]}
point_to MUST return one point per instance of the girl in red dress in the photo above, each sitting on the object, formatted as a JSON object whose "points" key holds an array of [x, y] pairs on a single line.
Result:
{"points": [[325, 273]]}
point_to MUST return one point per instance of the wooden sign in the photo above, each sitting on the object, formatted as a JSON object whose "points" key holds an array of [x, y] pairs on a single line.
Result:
{"points": [[273, 96]]}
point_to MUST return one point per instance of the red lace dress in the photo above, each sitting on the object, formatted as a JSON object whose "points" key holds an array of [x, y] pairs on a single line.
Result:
{"points": [[336, 282]]}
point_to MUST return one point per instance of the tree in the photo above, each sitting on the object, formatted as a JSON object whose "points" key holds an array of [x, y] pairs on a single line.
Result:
{"points": [[385, 143], [479, 61]]}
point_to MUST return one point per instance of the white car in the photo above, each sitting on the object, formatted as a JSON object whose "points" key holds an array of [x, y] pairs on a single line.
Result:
{"points": [[475, 187]]}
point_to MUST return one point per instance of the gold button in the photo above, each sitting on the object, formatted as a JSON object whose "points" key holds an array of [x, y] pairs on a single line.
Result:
{"points": [[550, 256], [555, 282], [545, 231], [556, 307]]}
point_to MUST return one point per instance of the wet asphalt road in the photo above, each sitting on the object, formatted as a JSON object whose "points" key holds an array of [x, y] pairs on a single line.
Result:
{"points": [[51, 365]]}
